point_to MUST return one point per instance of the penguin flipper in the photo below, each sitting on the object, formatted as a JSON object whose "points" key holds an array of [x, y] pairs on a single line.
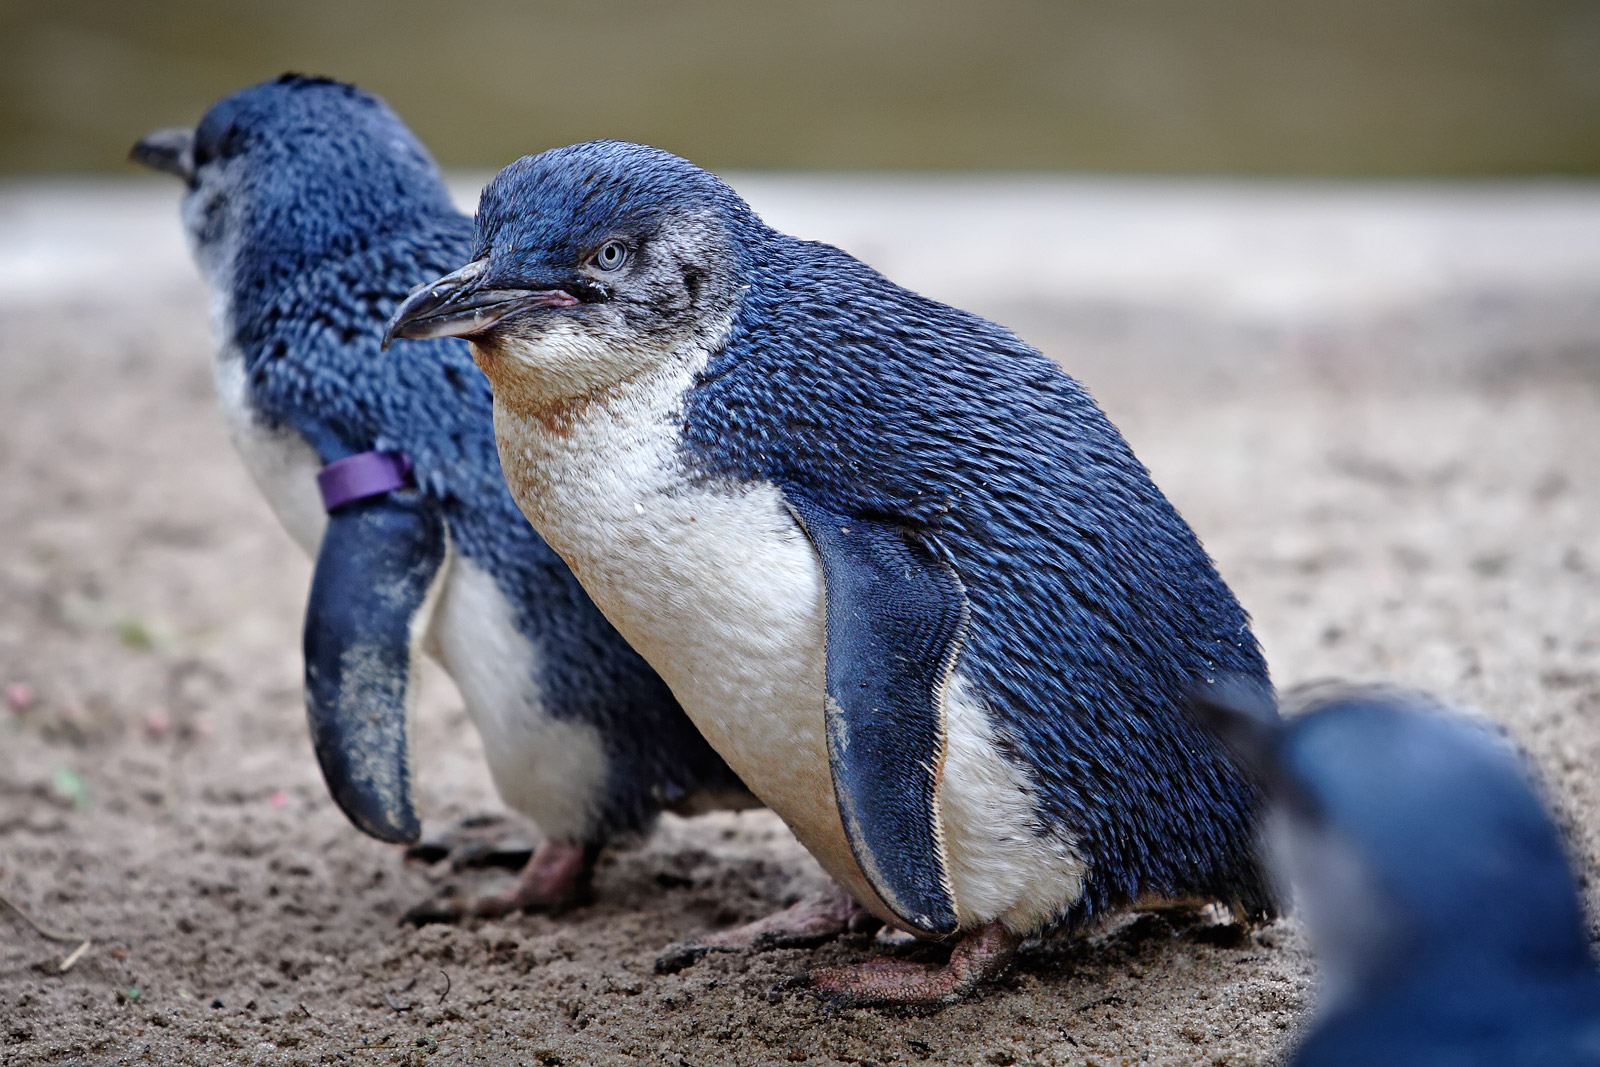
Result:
{"points": [[896, 615], [372, 594]]}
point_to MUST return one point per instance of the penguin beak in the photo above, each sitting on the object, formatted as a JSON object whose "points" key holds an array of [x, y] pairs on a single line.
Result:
{"points": [[461, 305], [170, 151]]}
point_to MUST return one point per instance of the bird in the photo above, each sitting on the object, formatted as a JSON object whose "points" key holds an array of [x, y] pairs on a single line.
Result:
{"points": [[311, 211], [1436, 890], [897, 565]]}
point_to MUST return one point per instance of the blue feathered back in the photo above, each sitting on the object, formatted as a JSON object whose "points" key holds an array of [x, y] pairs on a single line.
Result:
{"points": [[1095, 611]]}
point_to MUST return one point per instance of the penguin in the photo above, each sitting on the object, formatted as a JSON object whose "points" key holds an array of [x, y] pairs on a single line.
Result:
{"points": [[898, 567], [1436, 890], [311, 210]]}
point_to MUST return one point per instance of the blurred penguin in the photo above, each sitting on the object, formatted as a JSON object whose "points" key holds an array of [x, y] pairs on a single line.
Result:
{"points": [[1436, 889]]}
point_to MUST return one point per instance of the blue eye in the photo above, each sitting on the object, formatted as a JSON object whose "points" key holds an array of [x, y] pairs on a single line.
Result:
{"points": [[610, 255]]}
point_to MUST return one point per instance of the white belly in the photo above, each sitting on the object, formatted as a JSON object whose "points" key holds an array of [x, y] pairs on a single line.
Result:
{"points": [[550, 770], [281, 463], [721, 591], [721, 594]]}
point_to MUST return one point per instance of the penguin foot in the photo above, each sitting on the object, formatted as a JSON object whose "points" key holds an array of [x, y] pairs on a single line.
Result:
{"points": [[979, 957], [559, 875], [810, 922], [554, 876], [475, 842]]}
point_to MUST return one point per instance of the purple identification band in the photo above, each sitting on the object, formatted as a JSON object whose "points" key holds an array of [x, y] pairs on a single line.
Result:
{"points": [[344, 481]]}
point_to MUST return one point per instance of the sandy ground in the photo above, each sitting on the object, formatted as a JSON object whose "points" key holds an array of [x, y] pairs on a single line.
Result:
{"points": [[1402, 488]]}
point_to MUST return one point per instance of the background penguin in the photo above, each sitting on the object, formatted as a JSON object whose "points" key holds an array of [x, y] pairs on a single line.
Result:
{"points": [[1446, 922], [311, 211], [898, 567]]}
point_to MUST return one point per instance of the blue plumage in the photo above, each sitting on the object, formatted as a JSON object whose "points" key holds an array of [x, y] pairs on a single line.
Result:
{"points": [[1436, 888], [1014, 615], [312, 211], [1094, 609]]}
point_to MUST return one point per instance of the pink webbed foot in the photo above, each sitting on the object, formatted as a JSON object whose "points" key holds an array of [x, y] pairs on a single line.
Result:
{"points": [[982, 955], [812, 921], [553, 876], [558, 875]]}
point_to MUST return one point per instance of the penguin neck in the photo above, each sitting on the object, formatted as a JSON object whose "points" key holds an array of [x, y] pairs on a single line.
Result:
{"points": [[624, 436], [600, 419], [569, 378], [557, 409]]}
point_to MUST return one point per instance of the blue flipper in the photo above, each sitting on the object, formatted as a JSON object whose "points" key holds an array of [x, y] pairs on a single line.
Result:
{"points": [[896, 617], [370, 597]]}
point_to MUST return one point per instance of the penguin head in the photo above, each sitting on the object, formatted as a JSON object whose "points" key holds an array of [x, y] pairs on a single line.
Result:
{"points": [[1412, 838], [590, 265], [290, 171]]}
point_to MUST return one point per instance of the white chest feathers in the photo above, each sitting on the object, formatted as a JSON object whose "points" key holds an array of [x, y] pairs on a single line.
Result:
{"points": [[551, 770], [281, 463], [721, 591]]}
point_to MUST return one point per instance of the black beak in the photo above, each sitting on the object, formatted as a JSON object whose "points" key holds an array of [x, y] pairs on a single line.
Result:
{"points": [[460, 305], [170, 151]]}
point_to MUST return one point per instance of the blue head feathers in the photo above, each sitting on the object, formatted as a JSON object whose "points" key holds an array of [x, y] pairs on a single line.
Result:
{"points": [[326, 169], [1454, 837], [560, 203]]}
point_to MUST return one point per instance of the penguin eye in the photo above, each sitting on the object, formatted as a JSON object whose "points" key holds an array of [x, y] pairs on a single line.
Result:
{"points": [[610, 256]]}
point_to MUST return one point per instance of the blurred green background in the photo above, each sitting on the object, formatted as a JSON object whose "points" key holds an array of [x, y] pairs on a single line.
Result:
{"points": [[1340, 87]]}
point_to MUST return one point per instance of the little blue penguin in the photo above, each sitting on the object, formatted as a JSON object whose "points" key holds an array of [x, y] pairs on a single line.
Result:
{"points": [[311, 211], [1436, 890], [896, 565]]}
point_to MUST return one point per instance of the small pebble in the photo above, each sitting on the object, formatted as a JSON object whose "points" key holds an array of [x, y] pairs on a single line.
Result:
{"points": [[20, 696], [157, 724]]}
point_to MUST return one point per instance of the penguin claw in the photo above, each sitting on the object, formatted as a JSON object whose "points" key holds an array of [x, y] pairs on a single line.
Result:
{"points": [[555, 877], [684, 954], [779, 991], [445, 910], [558, 877], [475, 842]]}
